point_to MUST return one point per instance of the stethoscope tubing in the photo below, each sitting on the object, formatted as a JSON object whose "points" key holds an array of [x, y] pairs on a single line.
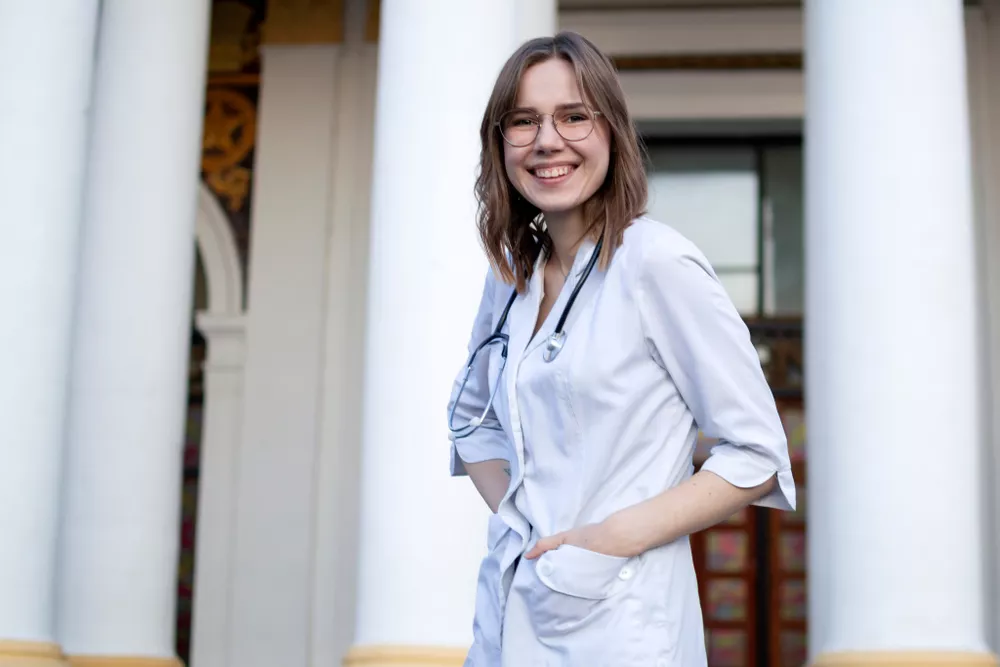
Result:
{"points": [[553, 345]]}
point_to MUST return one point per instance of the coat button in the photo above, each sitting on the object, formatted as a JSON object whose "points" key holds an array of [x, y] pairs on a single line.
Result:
{"points": [[625, 574], [545, 568]]}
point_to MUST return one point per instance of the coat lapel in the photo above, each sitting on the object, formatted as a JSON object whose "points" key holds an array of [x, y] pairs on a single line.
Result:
{"points": [[520, 322]]}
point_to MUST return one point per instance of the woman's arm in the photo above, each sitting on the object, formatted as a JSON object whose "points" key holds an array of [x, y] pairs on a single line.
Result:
{"points": [[698, 503], [484, 454], [491, 479]]}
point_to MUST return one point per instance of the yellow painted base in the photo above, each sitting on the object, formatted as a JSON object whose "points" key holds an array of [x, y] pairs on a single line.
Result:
{"points": [[120, 661], [905, 659], [30, 654], [404, 656]]}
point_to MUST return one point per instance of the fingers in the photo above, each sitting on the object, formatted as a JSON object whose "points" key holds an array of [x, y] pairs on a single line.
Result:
{"points": [[546, 544]]}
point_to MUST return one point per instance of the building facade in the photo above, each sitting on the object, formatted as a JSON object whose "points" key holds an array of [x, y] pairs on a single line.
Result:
{"points": [[241, 268]]}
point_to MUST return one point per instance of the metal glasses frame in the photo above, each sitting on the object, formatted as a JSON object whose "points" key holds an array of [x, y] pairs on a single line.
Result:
{"points": [[538, 125]]}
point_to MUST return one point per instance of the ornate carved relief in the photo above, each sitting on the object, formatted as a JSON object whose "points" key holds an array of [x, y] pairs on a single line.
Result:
{"points": [[229, 131], [234, 37], [228, 140]]}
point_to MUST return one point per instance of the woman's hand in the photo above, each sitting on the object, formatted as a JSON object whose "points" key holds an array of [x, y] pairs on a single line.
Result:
{"points": [[607, 537]]}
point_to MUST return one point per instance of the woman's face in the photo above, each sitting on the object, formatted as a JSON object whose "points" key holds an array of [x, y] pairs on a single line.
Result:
{"points": [[554, 173]]}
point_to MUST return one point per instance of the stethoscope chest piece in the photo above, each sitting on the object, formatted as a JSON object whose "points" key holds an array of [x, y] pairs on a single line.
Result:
{"points": [[554, 345]]}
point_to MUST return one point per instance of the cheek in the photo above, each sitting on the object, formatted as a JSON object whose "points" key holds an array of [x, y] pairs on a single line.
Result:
{"points": [[510, 167], [600, 160], [512, 161], [602, 166]]}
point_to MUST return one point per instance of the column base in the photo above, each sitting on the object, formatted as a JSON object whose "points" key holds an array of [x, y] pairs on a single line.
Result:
{"points": [[30, 654], [404, 656], [120, 661], [904, 659]]}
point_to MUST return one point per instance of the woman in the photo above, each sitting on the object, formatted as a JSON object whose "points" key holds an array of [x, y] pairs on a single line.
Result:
{"points": [[603, 342]]}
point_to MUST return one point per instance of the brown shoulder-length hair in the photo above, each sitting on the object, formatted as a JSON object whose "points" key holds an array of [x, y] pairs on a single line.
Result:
{"points": [[512, 231]]}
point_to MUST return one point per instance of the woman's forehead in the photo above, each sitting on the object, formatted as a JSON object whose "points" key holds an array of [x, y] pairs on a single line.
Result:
{"points": [[548, 85]]}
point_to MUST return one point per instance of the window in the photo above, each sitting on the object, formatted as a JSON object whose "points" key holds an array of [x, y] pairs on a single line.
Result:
{"points": [[710, 195], [741, 204]]}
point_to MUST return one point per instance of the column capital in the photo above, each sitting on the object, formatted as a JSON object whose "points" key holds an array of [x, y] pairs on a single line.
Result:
{"points": [[226, 336], [216, 326], [298, 22]]}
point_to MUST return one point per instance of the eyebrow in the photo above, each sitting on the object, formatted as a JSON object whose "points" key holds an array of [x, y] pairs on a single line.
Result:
{"points": [[559, 107]]}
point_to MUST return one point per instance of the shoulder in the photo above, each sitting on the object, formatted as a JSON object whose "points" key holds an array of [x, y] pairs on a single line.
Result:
{"points": [[654, 250], [495, 289]]}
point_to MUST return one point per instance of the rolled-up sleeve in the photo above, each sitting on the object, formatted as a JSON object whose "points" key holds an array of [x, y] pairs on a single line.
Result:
{"points": [[489, 441], [693, 328]]}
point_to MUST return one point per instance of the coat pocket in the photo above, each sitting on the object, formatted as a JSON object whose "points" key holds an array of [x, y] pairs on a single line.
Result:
{"points": [[572, 588]]}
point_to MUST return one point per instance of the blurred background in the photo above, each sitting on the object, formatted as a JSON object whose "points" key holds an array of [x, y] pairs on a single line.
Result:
{"points": [[241, 266]]}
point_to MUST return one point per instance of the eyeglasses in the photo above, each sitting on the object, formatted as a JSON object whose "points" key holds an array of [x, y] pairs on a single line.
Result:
{"points": [[519, 127]]}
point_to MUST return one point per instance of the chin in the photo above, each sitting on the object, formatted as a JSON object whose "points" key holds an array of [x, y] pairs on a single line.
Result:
{"points": [[550, 204]]}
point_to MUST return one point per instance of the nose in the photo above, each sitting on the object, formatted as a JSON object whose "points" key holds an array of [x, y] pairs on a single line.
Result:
{"points": [[548, 138]]}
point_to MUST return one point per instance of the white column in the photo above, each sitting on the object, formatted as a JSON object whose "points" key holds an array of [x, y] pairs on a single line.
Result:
{"points": [[425, 280], [118, 552], [896, 551], [984, 33], [337, 469], [983, 48], [275, 520], [47, 53], [535, 18], [225, 336]]}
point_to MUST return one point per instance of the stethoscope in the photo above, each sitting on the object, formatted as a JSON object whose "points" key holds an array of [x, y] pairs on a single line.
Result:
{"points": [[553, 346], [556, 340]]}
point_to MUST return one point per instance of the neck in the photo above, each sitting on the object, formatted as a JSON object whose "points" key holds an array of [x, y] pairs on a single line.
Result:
{"points": [[567, 232]]}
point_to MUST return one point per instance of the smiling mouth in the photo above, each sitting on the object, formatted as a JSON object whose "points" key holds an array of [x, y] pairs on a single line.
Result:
{"points": [[552, 172]]}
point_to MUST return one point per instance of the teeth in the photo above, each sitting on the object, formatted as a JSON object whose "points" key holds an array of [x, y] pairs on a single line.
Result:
{"points": [[554, 172]]}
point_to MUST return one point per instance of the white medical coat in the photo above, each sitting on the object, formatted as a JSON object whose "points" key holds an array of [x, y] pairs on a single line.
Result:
{"points": [[654, 351]]}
